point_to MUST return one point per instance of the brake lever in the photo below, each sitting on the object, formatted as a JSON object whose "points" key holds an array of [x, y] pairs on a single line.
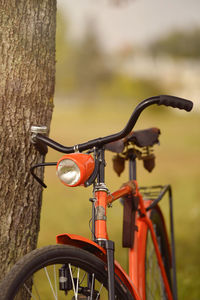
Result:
{"points": [[41, 165]]}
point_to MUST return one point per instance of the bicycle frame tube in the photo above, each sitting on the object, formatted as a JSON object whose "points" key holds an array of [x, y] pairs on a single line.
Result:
{"points": [[137, 254], [100, 216]]}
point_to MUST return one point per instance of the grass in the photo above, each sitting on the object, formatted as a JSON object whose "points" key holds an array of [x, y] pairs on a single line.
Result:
{"points": [[177, 162]]}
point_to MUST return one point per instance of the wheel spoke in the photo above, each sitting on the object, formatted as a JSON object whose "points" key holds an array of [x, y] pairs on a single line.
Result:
{"points": [[98, 295], [47, 274], [73, 284], [92, 286], [84, 275], [77, 283], [35, 288], [29, 292], [55, 281]]}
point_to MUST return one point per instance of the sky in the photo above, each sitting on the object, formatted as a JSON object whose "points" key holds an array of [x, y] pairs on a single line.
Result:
{"points": [[134, 22]]}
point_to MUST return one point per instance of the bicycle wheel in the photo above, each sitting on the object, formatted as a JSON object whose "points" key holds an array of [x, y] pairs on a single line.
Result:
{"points": [[59, 272], [155, 289]]}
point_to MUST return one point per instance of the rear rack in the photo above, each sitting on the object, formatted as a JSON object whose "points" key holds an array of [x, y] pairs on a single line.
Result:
{"points": [[156, 193]]}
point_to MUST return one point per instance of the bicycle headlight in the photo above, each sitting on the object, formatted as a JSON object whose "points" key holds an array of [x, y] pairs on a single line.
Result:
{"points": [[74, 169]]}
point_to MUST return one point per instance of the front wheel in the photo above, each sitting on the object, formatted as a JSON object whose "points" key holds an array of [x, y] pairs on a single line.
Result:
{"points": [[59, 272]]}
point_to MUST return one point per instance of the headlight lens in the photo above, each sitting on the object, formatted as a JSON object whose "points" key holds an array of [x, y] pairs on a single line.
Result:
{"points": [[68, 172], [74, 169]]}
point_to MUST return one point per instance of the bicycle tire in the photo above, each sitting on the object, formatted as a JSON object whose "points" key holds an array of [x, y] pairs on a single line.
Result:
{"points": [[33, 263], [154, 285]]}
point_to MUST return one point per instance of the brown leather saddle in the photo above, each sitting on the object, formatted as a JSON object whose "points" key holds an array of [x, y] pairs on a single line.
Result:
{"points": [[143, 139]]}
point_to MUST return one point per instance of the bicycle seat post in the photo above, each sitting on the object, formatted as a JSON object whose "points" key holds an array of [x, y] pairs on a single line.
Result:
{"points": [[132, 166]]}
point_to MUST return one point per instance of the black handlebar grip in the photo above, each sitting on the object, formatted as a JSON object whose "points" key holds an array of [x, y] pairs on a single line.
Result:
{"points": [[175, 102]]}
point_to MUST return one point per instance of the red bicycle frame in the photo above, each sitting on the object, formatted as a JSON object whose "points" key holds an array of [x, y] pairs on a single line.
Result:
{"points": [[136, 280]]}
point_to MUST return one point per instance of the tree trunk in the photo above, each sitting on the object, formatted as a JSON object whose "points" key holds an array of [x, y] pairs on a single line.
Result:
{"points": [[27, 78]]}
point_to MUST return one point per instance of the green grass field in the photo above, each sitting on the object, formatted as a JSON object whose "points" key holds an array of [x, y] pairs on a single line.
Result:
{"points": [[177, 163]]}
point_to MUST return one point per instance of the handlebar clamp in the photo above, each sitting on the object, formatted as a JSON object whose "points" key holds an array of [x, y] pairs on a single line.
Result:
{"points": [[41, 147]]}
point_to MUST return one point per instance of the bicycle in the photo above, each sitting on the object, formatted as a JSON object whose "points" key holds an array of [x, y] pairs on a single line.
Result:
{"points": [[80, 268]]}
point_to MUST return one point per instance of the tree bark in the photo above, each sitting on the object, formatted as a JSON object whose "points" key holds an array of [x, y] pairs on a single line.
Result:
{"points": [[27, 79]]}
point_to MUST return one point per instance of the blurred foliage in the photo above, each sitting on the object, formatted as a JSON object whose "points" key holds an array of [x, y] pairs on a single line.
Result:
{"points": [[123, 87], [91, 69], [81, 65], [64, 56], [183, 44], [85, 71]]}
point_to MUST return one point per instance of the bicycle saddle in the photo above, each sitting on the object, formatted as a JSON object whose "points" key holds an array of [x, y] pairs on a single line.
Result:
{"points": [[141, 138]]}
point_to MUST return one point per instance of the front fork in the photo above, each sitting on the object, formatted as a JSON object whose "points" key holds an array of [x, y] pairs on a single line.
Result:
{"points": [[99, 227]]}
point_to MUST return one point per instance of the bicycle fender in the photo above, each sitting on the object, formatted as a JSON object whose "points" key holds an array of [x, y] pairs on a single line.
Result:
{"points": [[92, 247], [82, 242]]}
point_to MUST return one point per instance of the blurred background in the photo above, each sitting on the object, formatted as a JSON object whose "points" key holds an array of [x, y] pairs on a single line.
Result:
{"points": [[110, 55]]}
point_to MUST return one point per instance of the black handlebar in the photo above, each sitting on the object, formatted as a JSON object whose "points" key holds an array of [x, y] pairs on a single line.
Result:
{"points": [[175, 102], [166, 100]]}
